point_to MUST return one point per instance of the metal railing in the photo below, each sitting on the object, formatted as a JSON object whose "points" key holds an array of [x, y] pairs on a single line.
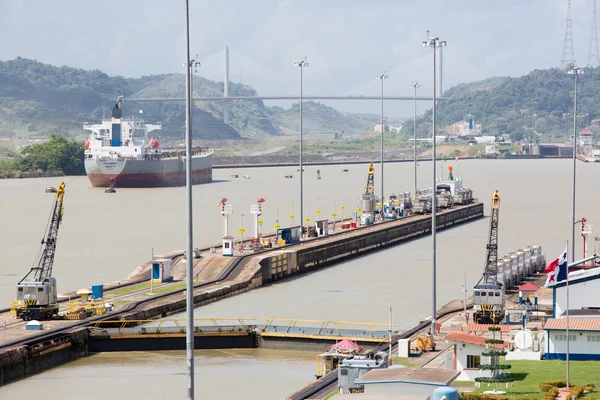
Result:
{"points": [[266, 326]]}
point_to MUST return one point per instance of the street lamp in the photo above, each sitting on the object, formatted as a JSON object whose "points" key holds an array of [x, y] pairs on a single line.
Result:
{"points": [[242, 230], [574, 71], [189, 334], [434, 42], [415, 86], [301, 64], [382, 77]]}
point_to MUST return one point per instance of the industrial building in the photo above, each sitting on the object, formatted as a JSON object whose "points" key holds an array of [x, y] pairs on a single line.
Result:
{"points": [[467, 354], [584, 336], [584, 286]]}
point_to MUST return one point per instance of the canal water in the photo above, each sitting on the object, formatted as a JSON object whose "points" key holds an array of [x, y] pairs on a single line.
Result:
{"points": [[105, 236]]}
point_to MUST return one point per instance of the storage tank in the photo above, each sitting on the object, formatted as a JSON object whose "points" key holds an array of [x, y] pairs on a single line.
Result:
{"points": [[447, 392], [521, 262]]}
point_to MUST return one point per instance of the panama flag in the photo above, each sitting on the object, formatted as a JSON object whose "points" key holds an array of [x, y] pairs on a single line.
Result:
{"points": [[557, 270]]}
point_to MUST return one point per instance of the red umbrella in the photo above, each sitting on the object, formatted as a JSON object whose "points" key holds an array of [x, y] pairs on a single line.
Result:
{"points": [[346, 345]]}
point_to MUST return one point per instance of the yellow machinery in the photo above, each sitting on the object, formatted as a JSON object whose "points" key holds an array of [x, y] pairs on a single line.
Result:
{"points": [[84, 307], [425, 342]]}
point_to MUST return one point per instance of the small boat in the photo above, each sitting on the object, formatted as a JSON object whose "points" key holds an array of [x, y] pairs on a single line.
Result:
{"points": [[50, 189], [345, 170], [288, 176], [246, 176], [234, 176], [110, 190]]}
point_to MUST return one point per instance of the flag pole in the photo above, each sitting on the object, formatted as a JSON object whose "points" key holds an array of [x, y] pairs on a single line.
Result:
{"points": [[567, 321]]}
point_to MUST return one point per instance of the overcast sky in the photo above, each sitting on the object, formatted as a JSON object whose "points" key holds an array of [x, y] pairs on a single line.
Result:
{"points": [[347, 42]]}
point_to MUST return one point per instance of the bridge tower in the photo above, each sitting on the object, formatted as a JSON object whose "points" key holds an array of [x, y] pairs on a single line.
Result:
{"points": [[593, 55], [568, 56], [226, 87]]}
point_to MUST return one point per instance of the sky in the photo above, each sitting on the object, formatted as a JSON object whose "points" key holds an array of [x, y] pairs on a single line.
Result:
{"points": [[346, 42]]}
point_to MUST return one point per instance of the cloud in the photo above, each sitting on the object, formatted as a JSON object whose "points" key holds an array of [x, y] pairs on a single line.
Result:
{"points": [[347, 42]]}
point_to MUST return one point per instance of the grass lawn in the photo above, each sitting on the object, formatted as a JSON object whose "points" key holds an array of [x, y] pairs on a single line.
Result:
{"points": [[172, 288], [529, 374], [129, 289], [404, 361]]}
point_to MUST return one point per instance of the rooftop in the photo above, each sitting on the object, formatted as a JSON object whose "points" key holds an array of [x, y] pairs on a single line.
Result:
{"points": [[528, 287], [409, 375], [485, 328], [472, 339], [575, 324]]}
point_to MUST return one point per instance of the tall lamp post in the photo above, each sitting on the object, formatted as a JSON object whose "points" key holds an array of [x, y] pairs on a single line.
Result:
{"points": [[434, 43], [301, 64], [415, 86], [382, 77], [189, 334], [574, 71]]}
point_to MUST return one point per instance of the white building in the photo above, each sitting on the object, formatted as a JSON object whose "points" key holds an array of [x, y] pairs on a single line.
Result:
{"points": [[584, 287], [407, 381], [467, 354], [584, 338]]}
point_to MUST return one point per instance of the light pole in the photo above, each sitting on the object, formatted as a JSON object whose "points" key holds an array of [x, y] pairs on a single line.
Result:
{"points": [[189, 333], [301, 64], [382, 77], [433, 42], [415, 86], [242, 230], [574, 71]]}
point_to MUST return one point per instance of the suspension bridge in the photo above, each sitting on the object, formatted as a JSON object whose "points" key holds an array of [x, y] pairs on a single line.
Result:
{"points": [[173, 88]]}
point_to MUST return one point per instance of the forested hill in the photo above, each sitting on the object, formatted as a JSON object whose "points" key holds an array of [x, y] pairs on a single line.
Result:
{"points": [[40, 99], [541, 101]]}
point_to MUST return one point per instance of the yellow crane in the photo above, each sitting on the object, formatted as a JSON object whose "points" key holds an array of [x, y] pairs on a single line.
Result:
{"points": [[36, 292]]}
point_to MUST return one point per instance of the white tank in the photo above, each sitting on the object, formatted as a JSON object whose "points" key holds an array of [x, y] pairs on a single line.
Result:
{"points": [[521, 263]]}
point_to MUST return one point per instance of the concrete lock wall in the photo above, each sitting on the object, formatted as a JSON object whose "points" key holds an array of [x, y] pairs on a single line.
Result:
{"points": [[370, 240], [22, 361], [278, 266]]}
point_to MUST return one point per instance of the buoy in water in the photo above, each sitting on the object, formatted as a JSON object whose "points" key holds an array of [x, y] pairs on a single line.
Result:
{"points": [[110, 190], [50, 189]]}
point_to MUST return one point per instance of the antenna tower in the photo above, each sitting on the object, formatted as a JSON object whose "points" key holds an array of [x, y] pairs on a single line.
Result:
{"points": [[568, 56], [593, 55]]}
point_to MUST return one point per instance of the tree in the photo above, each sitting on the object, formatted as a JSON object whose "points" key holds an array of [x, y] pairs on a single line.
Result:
{"points": [[58, 155], [496, 369]]}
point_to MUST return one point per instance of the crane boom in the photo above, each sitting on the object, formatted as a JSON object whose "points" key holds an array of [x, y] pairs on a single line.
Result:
{"points": [[368, 189], [491, 268], [43, 270]]}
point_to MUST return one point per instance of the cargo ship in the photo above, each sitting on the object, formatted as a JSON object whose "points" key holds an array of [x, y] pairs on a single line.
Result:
{"points": [[115, 157]]}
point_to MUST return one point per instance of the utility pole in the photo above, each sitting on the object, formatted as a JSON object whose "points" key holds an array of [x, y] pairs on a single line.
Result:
{"points": [[415, 86], [434, 43]]}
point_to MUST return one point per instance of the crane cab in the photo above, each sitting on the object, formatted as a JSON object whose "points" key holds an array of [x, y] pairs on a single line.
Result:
{"points": [[37, 293], [488, 303]]}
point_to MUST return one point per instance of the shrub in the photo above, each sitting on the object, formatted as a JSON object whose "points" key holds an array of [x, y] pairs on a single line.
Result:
{"points": [[589, 387], [576, 391], [551, 394], [545, 386]]}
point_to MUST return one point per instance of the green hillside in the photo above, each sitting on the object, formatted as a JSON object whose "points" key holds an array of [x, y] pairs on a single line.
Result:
{"points": [[320, 119], [37, 99], [540, 102]]}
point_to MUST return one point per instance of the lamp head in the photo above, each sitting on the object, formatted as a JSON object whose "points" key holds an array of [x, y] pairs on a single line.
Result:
{"points": [[575, 71], [301, 64]]}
